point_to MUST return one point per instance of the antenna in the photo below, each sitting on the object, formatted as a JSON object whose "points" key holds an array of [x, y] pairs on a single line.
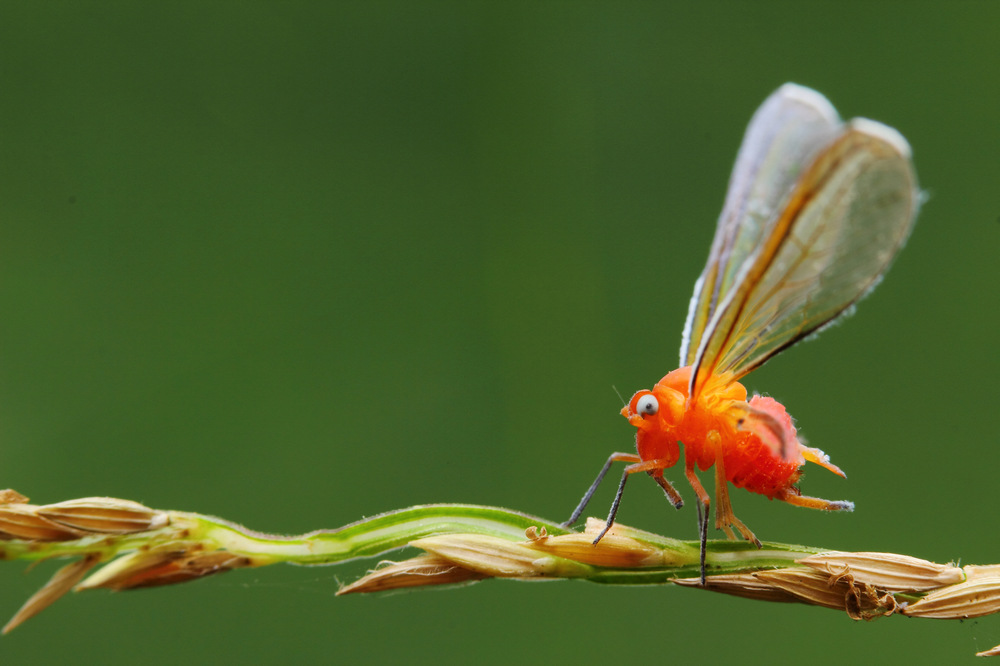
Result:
{"points": [[624, 404]]}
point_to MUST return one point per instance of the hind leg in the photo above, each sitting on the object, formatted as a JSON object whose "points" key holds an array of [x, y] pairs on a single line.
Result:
{"points": [[792, 496], [724, 517], [702, 506]]}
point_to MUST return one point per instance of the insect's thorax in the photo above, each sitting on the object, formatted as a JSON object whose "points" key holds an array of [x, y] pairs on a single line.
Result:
{"points": [[702, 425], [720, 421]]}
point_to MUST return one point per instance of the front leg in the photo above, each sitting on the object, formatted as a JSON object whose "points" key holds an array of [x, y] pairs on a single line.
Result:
{"points": [[615, 457], [647, 466]]}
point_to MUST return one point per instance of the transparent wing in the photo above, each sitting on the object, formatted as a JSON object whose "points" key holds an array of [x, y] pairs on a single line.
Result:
{"points": [[841, 225], [791, 125]]}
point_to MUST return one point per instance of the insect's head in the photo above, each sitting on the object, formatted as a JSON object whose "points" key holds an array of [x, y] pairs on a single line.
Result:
{"points": [[642, 406], [649, 410]]}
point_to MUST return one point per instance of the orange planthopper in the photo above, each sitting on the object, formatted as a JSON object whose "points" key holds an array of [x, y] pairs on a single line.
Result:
{"points": [[815, 212]]}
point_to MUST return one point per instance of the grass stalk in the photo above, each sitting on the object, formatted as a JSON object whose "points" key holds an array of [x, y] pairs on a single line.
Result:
{"points": [[137, 547]]}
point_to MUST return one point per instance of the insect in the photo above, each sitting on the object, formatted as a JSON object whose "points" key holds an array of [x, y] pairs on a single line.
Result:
{"points": [[815, 212]]}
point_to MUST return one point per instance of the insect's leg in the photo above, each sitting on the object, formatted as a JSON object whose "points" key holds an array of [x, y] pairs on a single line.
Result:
{"points": [[791, 496], [702, 511], [723, 509], [702, 535], [614, 508], [724, 516], [631, 469], [673, 496], [696, 484], [615, 457]]}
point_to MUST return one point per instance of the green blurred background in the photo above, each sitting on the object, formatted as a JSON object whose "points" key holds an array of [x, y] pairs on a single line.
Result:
{"points": [[297, 263]]}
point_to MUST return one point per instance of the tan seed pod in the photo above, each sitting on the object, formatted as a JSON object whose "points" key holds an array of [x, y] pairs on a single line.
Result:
{"points": [[595, 526], [977, 571], [9, 496], [809, 586], [22, 521], [973, 598], [416, 572], [741, 585], [993, 652], [493, 556], [490, 556], [104, 514], [164, 566], [116, 574], [888, 571], [187, 568], [673, 551], [60, 584], [839, 590], [612, 551]]}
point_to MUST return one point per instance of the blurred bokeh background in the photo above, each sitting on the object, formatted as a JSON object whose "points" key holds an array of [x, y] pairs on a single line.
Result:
{"points": [[297, 263]]}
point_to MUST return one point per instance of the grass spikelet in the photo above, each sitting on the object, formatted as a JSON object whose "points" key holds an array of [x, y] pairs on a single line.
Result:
{"points": [[746, 585], [888, 571], [973, 598], [615, 551], [104, 514], [500, 558], [22, 521], [419, 571], [808, 586], [61, 583]]}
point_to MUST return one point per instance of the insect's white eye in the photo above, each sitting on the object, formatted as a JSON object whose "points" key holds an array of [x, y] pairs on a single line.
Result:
{"points": [[647, 405]]}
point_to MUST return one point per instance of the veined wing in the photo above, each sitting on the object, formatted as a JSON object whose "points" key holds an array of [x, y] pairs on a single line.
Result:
{"points": [[841, 225], [788, 128]]}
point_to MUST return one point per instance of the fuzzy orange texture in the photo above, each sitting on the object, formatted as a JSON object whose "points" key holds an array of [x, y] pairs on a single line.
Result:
{"points": [[749, 462]]}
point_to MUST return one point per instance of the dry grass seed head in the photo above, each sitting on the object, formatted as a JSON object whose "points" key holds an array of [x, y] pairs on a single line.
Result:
{"points": [[105, 515], [888, 571], [423, 570]]}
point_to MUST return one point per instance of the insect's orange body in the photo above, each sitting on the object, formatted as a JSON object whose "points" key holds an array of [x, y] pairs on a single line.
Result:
{"points": [[714, 423]]}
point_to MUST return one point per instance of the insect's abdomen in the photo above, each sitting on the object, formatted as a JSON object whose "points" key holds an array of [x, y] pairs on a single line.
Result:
{"points": [[751, 464]]}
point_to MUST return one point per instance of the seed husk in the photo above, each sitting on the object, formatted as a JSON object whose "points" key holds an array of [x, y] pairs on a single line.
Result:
{"points": [[117, 574], [888, 571], [741, 585], [9, 496], [494, 556], [973, 598], [808, 585], [104, 514], [416, 572], [612, 551], [58, 585], [992, 652], [22, 521]]}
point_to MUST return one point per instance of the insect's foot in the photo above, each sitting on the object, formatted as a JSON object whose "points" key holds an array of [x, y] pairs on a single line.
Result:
{"points": [[601, 535]]}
